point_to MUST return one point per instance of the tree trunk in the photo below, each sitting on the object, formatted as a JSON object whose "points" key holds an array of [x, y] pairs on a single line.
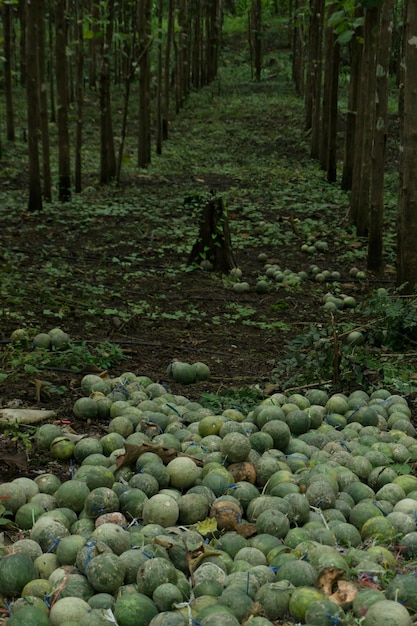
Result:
{"points": [[7, 47], [213, 243], [159, 86], [214, 21], [365, 126], [407, 215], [145, 41], [167, 70], [374, 259], [33, 16], [22, 42], [79, 91], [107, 152], [51, 63], [314, 59], [298, 47], [356, 50], [328, 156], [196, 46], [43, 100], [64, 165], [316, 76], [255, 37]]}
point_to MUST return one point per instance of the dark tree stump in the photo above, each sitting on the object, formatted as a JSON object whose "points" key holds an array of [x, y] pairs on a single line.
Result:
{"points": [[213, 243]]}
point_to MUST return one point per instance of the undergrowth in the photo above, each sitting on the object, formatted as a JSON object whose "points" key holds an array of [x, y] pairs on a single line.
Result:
{"points": [[384, 357]]}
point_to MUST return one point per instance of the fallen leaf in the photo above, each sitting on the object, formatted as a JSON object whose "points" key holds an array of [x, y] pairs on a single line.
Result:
{"points": [[17, 460]]}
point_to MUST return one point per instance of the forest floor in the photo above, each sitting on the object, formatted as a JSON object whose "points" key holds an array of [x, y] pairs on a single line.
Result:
{"points": [[110, 267]]}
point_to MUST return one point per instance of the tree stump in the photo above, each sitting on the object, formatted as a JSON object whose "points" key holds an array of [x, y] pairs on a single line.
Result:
{"points": [[213, 244]]}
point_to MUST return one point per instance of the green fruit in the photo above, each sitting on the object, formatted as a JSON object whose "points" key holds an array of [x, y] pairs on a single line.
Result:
{"points": [[62, 448], [20, 337], [134, 609], [28, 615], [16, 570], [60, 340], [160, 509], [42, 340], [85, 409], [387, 613], [202, 371], [301, 600], [106, 573], [183, 373]]}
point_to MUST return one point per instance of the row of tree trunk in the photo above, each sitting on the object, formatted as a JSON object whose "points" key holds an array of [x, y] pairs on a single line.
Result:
{"points": [[58, 49], [319, 30]]}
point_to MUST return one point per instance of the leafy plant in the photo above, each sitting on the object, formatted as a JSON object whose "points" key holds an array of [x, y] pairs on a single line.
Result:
{"points": [[20, 433], [242, 399]]}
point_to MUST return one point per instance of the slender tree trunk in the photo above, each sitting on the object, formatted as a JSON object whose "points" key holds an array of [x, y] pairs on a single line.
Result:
{"points": [[145, 41], [94, 45], [7, 47], [375, 243], [159, 87], [43, 100], [328, 156], [214, 20], [79, 91], [167, 70], [356, 50], [51, 63], [107, 151], [314, 60], [33, 15], [298, 46], [407, 215], [64, 165], [361, 184], [22, 42], [255, 34], [196, 47], [316, 78], [128, 82]]}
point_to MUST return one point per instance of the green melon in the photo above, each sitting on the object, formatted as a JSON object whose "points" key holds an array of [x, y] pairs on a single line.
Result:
{"points": [[105, 573], [301, 600], [134, 609], [153, 573], [202, 371], [85, 409], [388, 613], [16, 570], [72, 494], [28, 615], [166, 596], [99, 501], [274, 599], [62, 448], [181, 372], [325, 613], [74, 610]]}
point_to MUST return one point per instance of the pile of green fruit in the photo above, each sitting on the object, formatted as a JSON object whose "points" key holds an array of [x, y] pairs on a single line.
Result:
{"points": [[302, 509]]}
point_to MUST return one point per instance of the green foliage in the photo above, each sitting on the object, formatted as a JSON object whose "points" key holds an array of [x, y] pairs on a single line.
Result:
{"points": [[20, 433], [322, 354], [77, 356], [242, 399]]}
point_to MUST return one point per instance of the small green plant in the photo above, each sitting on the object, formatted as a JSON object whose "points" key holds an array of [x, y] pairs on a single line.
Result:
{"points": [[18, 361], [242, 399], [20, 433]]}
